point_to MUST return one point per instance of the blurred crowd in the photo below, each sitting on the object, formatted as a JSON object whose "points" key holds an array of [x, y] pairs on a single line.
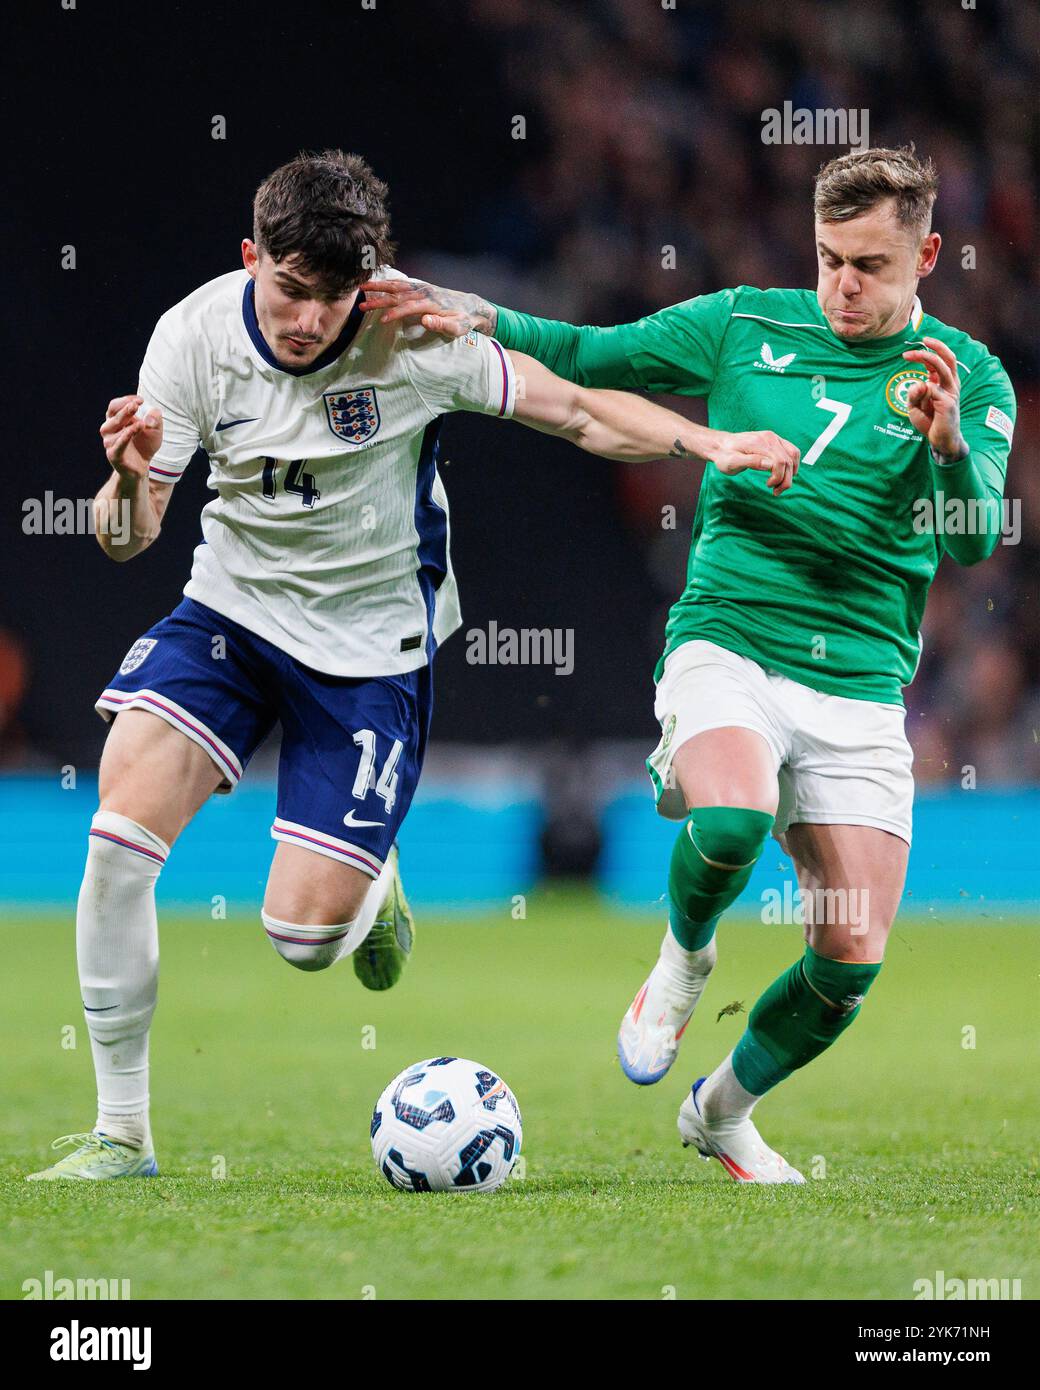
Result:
{"points": [[641, 130], [638, 126]]}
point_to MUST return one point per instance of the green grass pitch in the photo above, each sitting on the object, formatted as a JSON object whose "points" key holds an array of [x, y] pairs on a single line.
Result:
{"points": [[925, 1150]]}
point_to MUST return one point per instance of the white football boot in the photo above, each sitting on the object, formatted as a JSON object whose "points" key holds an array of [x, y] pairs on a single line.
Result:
{"points": [[651, 1030], [737, 1145]]}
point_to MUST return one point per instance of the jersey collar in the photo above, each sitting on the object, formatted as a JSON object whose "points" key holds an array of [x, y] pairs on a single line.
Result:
{"points": [[330, 354], [881, 345]]}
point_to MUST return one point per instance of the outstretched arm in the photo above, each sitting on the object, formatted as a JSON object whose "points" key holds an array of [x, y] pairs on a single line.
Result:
{"points": [[618, 425], [674, 350], [590, 355]]}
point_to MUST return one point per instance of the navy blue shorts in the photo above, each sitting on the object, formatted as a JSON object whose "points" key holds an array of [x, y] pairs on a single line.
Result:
{"points": [[352, 748]]}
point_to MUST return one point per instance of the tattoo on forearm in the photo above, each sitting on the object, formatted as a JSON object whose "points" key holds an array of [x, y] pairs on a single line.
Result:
{"points": [[678, 451], [476, 313]]}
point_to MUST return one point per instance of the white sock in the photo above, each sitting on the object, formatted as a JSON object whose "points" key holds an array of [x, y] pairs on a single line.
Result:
{"points": [[722, 1097], [677, 981], [117, 947], [316, 948], [687, 968], [308, 948]]}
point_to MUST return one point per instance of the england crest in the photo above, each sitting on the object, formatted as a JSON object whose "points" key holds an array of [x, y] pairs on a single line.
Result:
{"points": [[137, 654], [352, 415]]}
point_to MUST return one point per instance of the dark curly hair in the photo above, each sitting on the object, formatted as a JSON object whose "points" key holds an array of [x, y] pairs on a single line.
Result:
{"points": [[329, 211]]}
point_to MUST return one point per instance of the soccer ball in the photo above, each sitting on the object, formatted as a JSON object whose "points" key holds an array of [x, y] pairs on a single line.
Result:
{"points": [[446, 1125]]}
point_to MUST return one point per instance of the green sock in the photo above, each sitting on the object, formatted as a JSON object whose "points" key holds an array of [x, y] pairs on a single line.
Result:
{"points": [[799, 1016], [699, 890], [691, 936]]}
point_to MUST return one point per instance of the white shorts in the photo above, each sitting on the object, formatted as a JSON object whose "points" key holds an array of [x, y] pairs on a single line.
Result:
{"points": [[838, 761]]}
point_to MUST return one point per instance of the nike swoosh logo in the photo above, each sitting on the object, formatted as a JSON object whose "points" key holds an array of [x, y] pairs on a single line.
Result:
{"points": [[227, 424], [105, 1010], [349, 819]]}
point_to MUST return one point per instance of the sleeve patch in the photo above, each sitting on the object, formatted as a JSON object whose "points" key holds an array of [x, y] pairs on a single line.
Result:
{"points": [[997, 420]]}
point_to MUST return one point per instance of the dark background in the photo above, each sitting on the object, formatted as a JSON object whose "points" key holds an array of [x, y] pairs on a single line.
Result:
{"points": [[643, 129]]}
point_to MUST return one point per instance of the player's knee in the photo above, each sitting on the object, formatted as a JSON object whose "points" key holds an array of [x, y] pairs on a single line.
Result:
{"points": [[713, 859], [308, 948], [842, 983], [119, 845], [307, 887], [729, 837], [854, 949]]}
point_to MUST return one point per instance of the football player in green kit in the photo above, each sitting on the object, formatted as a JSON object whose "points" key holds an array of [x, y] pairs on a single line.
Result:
{"points": [[779, 692]]}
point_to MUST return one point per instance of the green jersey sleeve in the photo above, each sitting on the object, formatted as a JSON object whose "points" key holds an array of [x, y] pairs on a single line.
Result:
{"points": [[675, 350], [987, 423]]}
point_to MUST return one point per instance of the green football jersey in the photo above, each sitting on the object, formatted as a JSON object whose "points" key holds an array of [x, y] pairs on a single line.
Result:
{"points": [[826, 583]]}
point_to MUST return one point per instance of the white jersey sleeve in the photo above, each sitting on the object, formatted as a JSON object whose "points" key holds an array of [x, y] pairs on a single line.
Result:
{"points": [[163, 381], [469, 373]]}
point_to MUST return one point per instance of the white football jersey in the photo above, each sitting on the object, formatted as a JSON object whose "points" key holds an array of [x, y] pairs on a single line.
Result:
{"points": [[329, 533]]}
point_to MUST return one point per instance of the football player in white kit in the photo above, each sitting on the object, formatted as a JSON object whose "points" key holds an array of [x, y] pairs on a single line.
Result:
{"points": [[317, 598]]}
